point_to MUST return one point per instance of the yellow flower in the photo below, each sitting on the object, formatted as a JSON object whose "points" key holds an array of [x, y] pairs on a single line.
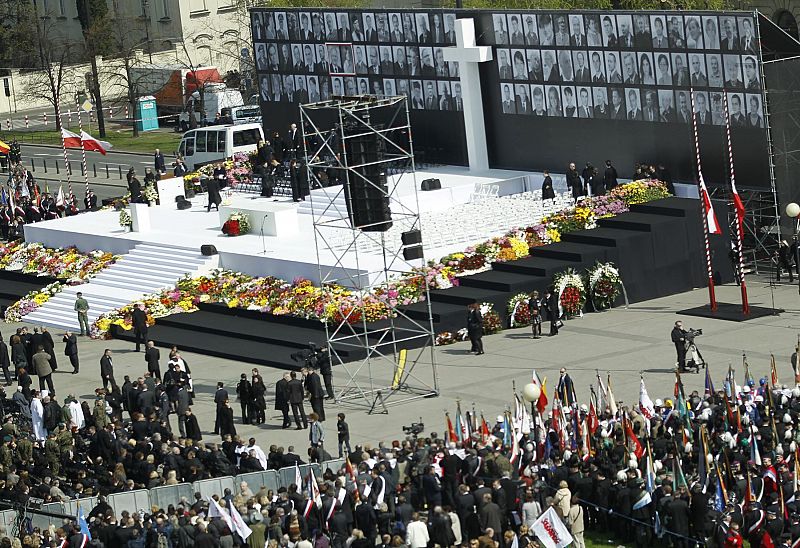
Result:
{"points": [[233, 303]]}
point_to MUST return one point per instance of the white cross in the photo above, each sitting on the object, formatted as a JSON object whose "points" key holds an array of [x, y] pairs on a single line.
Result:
{"points": [[468, 55]]}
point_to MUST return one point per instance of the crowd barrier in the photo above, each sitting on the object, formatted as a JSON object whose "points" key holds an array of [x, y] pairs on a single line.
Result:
{"points": [[163, 496]]}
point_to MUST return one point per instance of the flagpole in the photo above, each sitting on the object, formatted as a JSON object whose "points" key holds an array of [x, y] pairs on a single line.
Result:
{"points": [[83, 150], [712, 298], [64, 149], [737, 201]]}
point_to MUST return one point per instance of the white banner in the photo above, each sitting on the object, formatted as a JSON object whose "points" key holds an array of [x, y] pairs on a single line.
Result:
{"points": [[551, 531]]}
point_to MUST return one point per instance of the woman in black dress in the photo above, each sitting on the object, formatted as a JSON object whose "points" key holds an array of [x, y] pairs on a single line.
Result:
{"points": [[548, 193], [475, 328]]}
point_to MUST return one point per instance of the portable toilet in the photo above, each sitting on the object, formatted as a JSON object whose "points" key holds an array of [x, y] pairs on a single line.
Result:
{"points": [[146, 113]]}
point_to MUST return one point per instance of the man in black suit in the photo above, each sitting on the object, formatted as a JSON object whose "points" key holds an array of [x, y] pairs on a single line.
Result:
{"points": [[71, 350], [387, 66], [678, 337], [523, 100], [5, 361], [282, 399], [369, 29], [107, 369], [748, 41], [737, 118], [296, 397], [220, 397], [151, 356], [617, 105], [139, 319], [581, 70], [313, 385], [427, 64]]}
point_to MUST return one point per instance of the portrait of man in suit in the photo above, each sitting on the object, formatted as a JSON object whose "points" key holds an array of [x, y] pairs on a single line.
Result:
{"points": [[445, 102], [625, 37], [612, 71], [598, 70], [285, 61], [355, 25], [660, 40], [729, 41], [363, 86], [387, 65], [322, 61], [276, 87], [680, 72], [361, 60], [736, 115], [301, 93], [261, 56], [331, 30], [549, 68], [601, 109], [264, 88], [388, 87], [450, 30], [427, 62], [334, 60], [409, 28], [503, 65], [581, 70], [317, 29], [650, 111], [576, 35], [288, 88], [545, 30], [402, 87], [431, 100], [382, 22], [561, 35], [509, 105], [630, 70], [370, 32], [305, 27], [717, 112], [458, 100], [437, 29], [698, 70], [412, 56], [397, 31], [423, 31], [715, 76], [618, 105], [281, 33], [441, 65], [634, 110], [701, 113], [417, 101], [523, 99], [344, 28], [754, 115], [747, 40], [313, 90], [675, 32], [641, 34], [584, 105], [683, 114], [297, 58], [400, 63], [733, 71], [308, 58], [292, 22]]}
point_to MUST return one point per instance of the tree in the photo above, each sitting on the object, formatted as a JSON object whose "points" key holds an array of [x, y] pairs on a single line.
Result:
{"points": [[18, 48], [97, 37]]}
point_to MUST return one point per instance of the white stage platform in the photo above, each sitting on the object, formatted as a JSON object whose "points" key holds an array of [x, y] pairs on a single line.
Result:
{"points": [[286, 256]]}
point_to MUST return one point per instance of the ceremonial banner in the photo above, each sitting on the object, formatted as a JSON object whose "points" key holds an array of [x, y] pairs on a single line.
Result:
{"points": [[551, 531]]}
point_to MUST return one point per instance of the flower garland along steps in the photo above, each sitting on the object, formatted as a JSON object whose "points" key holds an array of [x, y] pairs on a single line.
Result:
{"points": [[69, 265], [334, 303]]}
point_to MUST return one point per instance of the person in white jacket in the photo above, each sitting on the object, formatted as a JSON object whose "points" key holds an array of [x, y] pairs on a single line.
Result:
{"points": [[417, 532]]}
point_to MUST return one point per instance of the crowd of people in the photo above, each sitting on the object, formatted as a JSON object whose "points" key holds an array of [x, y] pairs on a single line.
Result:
{"points": [[708, 468], [590, 182]]}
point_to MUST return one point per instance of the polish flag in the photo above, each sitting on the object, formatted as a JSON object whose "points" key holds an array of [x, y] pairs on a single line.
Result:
{"points": [[60, 201], [71, 140], [711, 218], [737, 203], [90, 143]]}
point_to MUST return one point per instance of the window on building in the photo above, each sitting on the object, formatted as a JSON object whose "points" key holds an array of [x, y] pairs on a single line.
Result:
{"points": [[785, 20], [62, 7], [163, 6], [197, 5]]}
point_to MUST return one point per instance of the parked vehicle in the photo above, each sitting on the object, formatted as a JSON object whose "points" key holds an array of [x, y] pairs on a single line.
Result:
{"points": [[209, 144]]}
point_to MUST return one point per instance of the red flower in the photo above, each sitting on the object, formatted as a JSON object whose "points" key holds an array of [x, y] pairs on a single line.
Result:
{"points": [[231, 227]]}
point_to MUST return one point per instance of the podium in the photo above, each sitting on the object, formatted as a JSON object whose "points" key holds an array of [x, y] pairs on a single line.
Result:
{"points": [[140, 215]]}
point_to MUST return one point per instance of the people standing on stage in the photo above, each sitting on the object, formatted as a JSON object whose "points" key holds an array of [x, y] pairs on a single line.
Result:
{"points": [[82, 308], [296, 397], [213, 188], [244, 391], [71, 350], [282, 399], [574, 181], [535, 307], [475, 328], [586, 175], [139, 320], [548, 193], [610, 177]]}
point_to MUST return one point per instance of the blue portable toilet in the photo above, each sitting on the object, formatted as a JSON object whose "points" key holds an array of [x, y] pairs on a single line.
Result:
{"points": [[146, 113]]}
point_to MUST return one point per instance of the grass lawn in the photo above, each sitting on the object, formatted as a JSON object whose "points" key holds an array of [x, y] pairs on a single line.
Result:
{"points": [[122, 139]]}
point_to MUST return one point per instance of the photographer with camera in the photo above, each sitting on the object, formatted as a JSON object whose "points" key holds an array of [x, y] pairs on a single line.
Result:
{"points": [[679, 338]]}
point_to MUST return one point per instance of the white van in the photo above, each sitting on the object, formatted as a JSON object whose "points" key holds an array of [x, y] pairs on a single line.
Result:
{"points": [[206, 145], [246, 114]]}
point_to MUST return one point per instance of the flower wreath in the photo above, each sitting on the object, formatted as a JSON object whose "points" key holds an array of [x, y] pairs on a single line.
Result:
{"points": [[125, 218], [519, 314], [491, 319], [150, 193], [604, 285], [571, 292], [237, 224]]}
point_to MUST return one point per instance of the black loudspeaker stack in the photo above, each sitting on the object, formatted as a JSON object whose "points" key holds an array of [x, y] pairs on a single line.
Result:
{"points": [[366, 192], [207, 250]]}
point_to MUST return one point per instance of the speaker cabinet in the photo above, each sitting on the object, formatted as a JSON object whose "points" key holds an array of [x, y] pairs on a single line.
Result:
{"points": [[207, 250], [366, 191], [413, 252], [431, 184], [411, 237]]}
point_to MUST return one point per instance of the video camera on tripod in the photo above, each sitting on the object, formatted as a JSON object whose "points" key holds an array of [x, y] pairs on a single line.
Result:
{"points": [[309, 357], [694, 359]]}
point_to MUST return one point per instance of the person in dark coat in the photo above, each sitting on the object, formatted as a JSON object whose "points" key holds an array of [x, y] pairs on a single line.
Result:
{"points": [[5, 360], [282, 399], [107, 369], [313, 385], [220, 397], [596, 183], [18, 355], [71, 350], [158, 162], [226, 425], [553, 312], [475, 328], [139, 320], [574, 182], [258, 401], [49, 347], [192, 428], [610, 177], [432, 487], [535, 308], [151, 356], [491, 516], [214, 198], [678, 512], [244, 391], [548, 193], [296, 396], [134, 186], [678, 337]]}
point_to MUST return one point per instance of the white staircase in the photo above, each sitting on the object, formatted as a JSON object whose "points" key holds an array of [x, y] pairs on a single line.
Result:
{"points": [[146, 269], [325, 203]]}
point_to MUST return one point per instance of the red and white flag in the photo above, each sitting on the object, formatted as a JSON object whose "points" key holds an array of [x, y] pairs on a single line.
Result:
{"points": [[60, 200], [71, 140], [551, 531], [737, 202], [711, 218], [90, 143]]}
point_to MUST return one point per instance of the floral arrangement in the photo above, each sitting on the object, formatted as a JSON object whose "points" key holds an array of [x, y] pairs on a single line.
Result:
{"points": [[437, 275], [519, 314], [444, 338], [125, 218], [239, 169], [571, 292], [604, 285], [238, 223], [31, 302], [491, 320], [67, 264], [150, 193]]}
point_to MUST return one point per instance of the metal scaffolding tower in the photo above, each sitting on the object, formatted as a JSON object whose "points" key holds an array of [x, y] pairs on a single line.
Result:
{"points": [[358, 152]]}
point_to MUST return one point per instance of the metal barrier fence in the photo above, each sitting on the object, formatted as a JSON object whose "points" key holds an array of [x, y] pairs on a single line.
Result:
{"points": [[163, 496]]}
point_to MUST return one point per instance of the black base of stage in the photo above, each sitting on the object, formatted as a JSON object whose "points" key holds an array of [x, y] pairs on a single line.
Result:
{"points": [[15, 285], [730, 312], [658, 248]]}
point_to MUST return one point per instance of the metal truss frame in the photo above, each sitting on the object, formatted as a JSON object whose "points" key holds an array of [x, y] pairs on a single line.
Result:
{"points": [[396, 358]]}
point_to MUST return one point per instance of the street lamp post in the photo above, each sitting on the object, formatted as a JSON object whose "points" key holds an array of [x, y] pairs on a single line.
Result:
{"points": [[531, 393]]}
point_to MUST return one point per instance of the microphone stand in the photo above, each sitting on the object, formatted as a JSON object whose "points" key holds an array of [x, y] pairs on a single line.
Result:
{"points": [[263, 241]]}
